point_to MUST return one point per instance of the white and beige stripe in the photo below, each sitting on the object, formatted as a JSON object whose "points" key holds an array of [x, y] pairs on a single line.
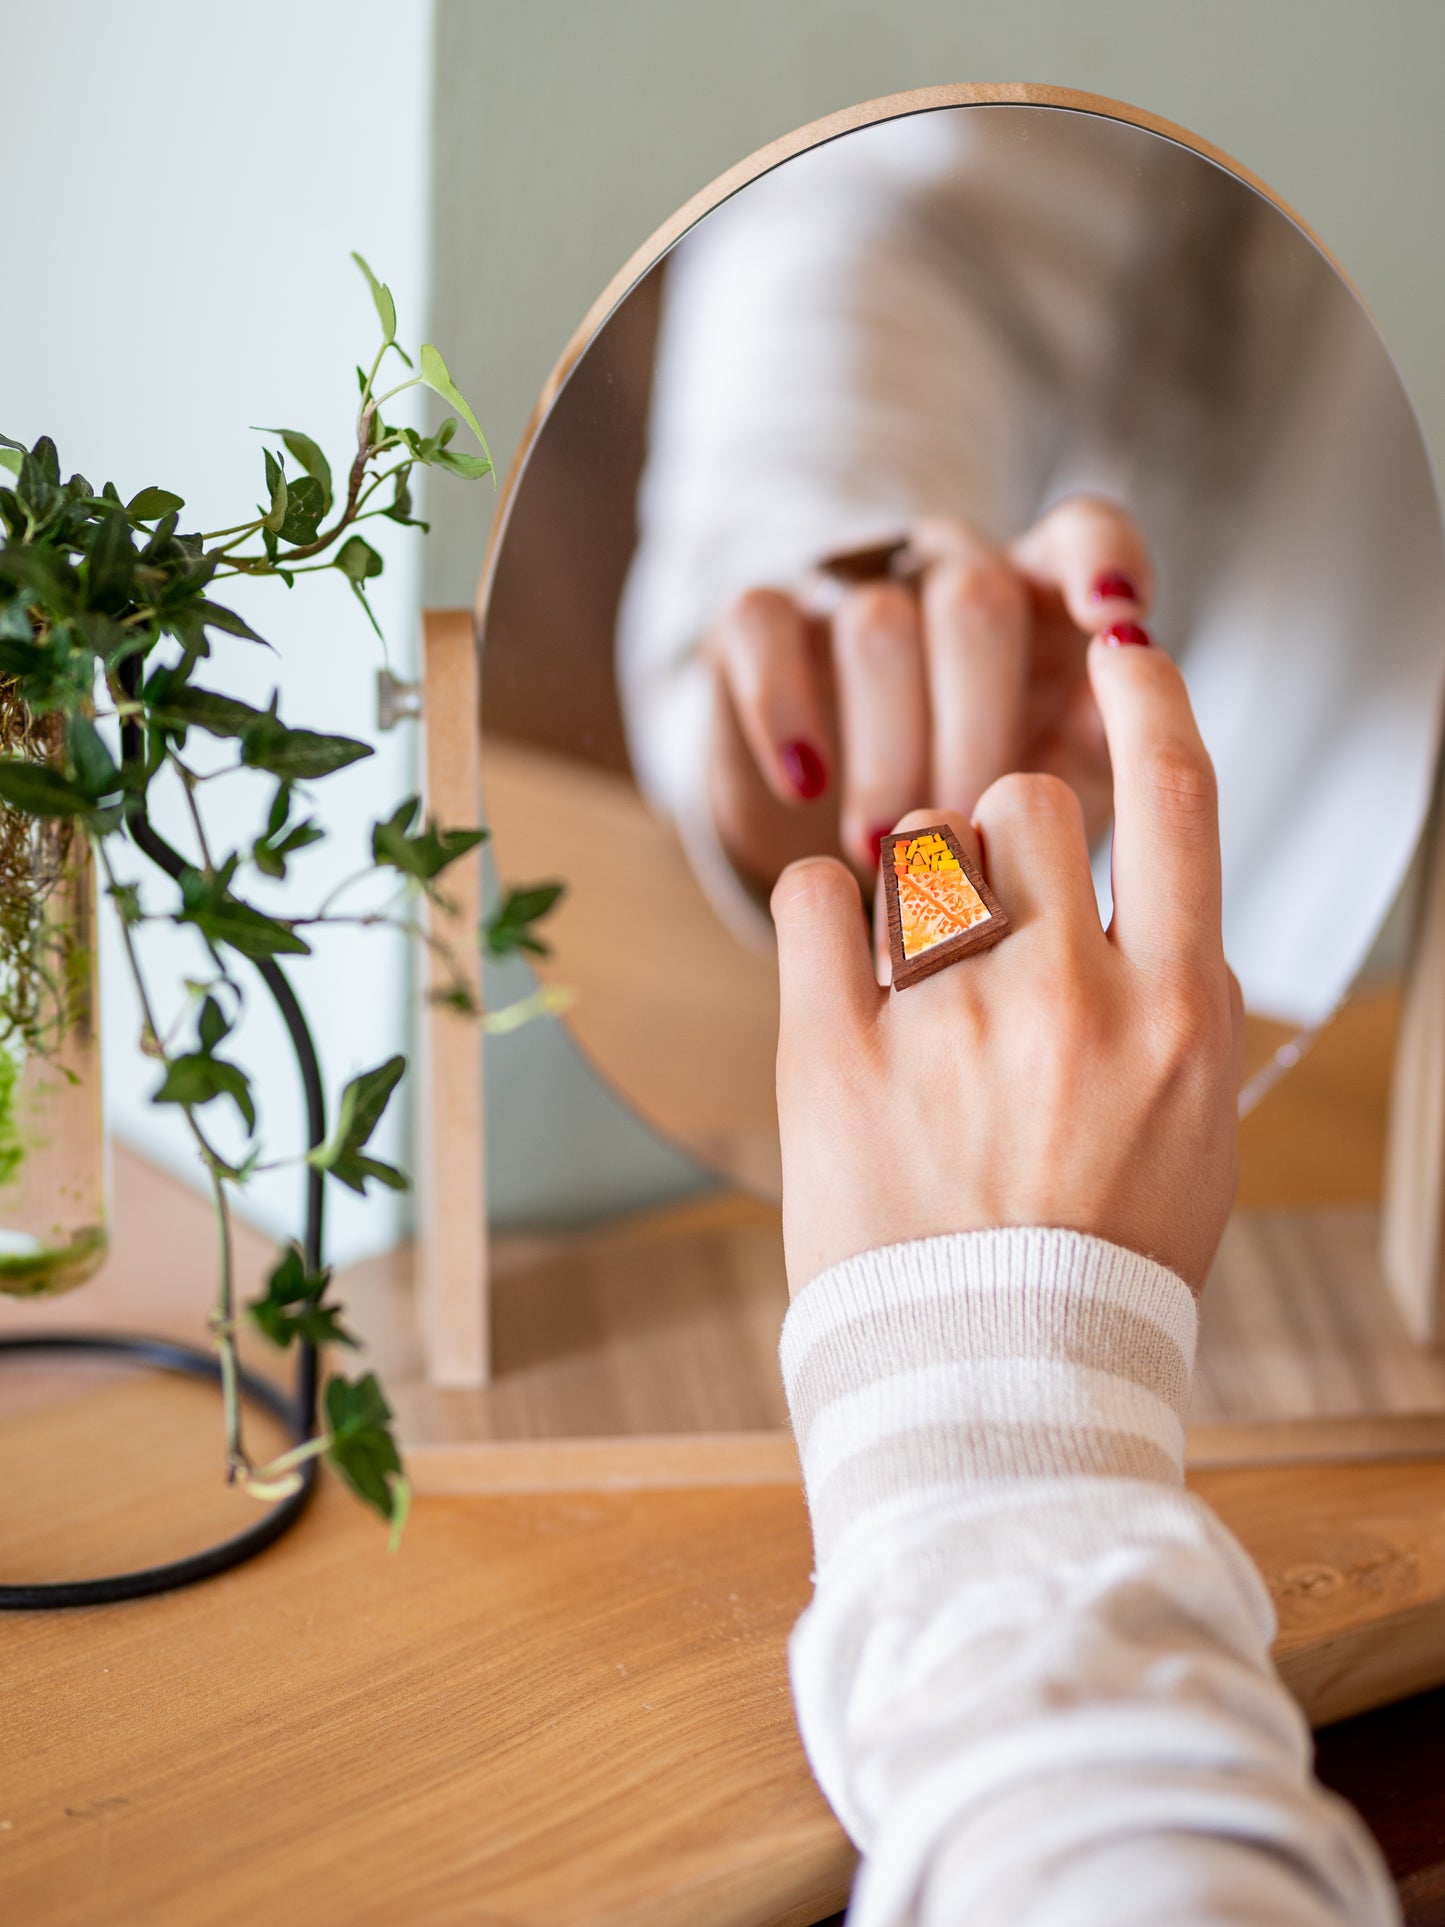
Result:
{"points": [[984, 1356]]}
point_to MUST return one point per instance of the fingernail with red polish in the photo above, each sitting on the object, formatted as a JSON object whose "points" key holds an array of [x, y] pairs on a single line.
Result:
{"points": [[875, 844], [1113, 588], [1122, 635], [805, 770]]}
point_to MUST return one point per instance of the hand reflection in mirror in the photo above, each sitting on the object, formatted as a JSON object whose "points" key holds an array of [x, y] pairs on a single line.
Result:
{"points": [[943, 662], [1056, 355]]}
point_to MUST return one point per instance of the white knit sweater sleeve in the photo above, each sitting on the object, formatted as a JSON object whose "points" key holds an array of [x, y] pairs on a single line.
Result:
{"points": [[1034, 1680]]}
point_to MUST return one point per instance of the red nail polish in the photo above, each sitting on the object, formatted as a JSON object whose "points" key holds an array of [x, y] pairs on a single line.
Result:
{"points": [[1124, 634], [875, 844], [1113, 588], [805, 770]]}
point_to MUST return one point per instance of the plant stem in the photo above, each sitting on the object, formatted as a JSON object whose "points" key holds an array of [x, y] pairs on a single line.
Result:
{"points": [[406, 927], [236, 528], [376, 481], [323, 914], [188, 784], [298, 1455], [223, 1331], [223, 1319]]}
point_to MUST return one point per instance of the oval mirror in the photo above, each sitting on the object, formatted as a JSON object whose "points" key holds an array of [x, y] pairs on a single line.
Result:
{"points": [[1015, 329]]}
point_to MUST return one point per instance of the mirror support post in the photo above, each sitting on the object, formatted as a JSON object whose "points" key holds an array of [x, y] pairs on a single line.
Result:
{"points": [[1412, 1228], [453, 1305]]}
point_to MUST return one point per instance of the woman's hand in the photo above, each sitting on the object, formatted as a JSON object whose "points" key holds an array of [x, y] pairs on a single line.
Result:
{"points": [[1067, 1077], [828, 729]]}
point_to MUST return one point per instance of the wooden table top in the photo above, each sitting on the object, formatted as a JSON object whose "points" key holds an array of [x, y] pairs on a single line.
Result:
{"points": [[547, 1709], [513, 1720], [570, 1709]]}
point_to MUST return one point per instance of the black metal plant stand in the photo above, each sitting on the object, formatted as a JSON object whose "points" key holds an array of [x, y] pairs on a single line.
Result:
{"points": [[299, 1411]]}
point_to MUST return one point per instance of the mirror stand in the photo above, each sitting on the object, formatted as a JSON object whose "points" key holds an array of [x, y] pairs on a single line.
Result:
{"points": [[452, 1296], [1412, 1242]]}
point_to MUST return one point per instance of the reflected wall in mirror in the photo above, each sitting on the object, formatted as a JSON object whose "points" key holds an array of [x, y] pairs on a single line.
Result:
{"points": [[1084, 372]]}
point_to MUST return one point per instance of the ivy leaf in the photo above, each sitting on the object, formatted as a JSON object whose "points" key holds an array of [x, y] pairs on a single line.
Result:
{"points": [[437, 376], [381, 295], [126, 898], [213, 1024], [305, 505], [43, 572], [12, 454], [277, 490], [358, 561], [282, 839], [47, 461], [198, 1077], [400, 506], [362, 1104], [95, 770], [292, 1306], [38, 790], [303, 450], [15, 623], [221, 918], [471, 466], [110, 563], [297, 755], [363, 1449], [212, 616], [108, 639], [39, 481], [190, 706], [510, 928], [424, 854], [153, 502]]}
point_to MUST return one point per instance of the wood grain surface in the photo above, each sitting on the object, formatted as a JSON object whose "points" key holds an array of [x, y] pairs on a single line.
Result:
{"points": [[558, 1710], [570, 1712], [548, 1708]]}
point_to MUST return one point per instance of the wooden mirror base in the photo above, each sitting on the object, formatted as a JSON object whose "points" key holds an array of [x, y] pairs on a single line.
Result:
{"points": [[643, 1355]]}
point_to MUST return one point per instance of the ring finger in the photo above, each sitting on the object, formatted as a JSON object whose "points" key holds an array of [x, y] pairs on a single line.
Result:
{"points": [[969, 842]]}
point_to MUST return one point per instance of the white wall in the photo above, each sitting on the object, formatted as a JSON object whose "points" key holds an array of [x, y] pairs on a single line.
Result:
{"points": [[184, 184]]}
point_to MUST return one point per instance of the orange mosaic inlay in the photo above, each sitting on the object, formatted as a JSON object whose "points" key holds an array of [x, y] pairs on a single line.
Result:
{"points": [[936, 901]]}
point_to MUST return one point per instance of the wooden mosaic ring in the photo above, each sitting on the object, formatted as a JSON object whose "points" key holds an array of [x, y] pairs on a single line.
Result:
{"points": [[939, 907]]}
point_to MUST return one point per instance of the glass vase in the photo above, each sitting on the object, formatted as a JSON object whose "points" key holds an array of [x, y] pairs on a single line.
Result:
{"points": [[53, 1174]]}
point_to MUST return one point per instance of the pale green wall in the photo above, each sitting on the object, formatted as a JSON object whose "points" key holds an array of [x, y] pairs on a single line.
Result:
{"points": [[567, 129]]}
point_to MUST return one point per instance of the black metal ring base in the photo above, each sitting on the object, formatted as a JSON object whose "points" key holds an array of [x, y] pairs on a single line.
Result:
{"points": [[295, 1414]]}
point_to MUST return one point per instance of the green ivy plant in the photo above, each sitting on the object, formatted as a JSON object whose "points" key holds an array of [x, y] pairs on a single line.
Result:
{"points": [[106, 612]]}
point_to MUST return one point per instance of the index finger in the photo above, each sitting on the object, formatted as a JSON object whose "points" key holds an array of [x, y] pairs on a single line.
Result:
{"points": [[826, 986], [1092, 553], [1167, 891]]}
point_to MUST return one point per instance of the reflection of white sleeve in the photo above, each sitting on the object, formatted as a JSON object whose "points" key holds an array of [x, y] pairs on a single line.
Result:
{"points": [[824, 375], [1034, 1681]]}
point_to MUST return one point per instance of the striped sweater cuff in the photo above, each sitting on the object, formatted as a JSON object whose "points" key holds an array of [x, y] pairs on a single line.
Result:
{"points": [[986, 1355]]}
